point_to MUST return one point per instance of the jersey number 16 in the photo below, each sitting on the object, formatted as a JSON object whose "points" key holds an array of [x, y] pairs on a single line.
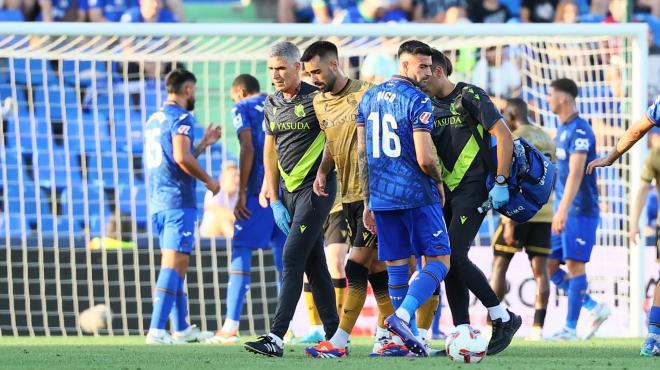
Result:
{"points": [[390, 143]]}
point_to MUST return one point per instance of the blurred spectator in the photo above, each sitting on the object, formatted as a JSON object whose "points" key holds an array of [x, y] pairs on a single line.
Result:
{"points": [[108, 10], [27, 8], [218, 219], [567, 12], [63, 11], [498, 75], [149, 11], [372, 11], [652, 5], [616, 11], [538, 11], [438, 11], [377, 68], [326, 10], [488, 11], [295, 11]]}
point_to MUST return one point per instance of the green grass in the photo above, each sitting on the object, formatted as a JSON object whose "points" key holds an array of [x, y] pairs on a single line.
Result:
{"points": [[132, 353]]}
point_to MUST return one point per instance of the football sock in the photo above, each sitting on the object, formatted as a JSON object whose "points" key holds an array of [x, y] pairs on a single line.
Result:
{"points": [[426, 312], [312, 312], [422, 287], [230, 326], [588, 302], [180, 308], [577, 287], [239, 281], [379, 281], [654, 320], [560, 280], [498, 312], [340, 290], [398, 284], [276, 339], [340, 339], [357, 294], [165, 295], [539, 317]]}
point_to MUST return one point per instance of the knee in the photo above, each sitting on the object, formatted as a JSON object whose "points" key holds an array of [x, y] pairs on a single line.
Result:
{"points": [[575, 268], [500, 265]]}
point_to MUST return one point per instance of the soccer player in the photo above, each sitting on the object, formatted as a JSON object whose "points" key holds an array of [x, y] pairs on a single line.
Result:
{"points": [[402, 185], [464, 173], [651, 346], [148, 11], [172, 168], [533, 235], [576, 212], [336, 108], [255, 226], [62, 11], [294, 145]]}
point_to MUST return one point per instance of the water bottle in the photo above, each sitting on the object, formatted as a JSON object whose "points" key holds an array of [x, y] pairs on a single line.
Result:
{"points": [[485, 207], [521, 159]]}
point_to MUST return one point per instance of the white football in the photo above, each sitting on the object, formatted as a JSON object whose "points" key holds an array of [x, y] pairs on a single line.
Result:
{"points": [[466, 344], [95, 318]]}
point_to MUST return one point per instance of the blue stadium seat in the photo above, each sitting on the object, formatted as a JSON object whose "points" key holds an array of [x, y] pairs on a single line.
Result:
{"points": [[83, 72], [97, 207], [100, 169], [88, 131], [11, 15], [591, 18], [32, 135], [36, 70], [125, 127], [18, 95], [654, 25], [54, 105], [50, 175], [134, 196], [13, 223]]}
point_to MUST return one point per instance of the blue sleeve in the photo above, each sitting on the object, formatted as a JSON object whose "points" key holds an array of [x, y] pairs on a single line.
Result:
{"points": [[95, 4], [421, 115], [184, 125], [166, 16], [240, 119], [581, 141], [653, 113]]}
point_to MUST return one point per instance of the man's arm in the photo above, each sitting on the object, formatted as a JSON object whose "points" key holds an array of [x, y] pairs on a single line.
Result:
{"points": [[576, 164], [362, 163], [96, 15], [46, 10], [504, 147], [272, 174], [638, 205], [327, 164], [246, 157], [427, 158], [629, 138], [189, 164], [211, 135]]}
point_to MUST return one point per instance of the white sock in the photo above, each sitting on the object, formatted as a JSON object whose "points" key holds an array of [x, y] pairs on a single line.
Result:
{"points": [[403, 314], [423, 333], [382, 333], [397, 340], [498, 312], [340, 339], [230, 326], [157, 332], [185, 331], [278, 340]]}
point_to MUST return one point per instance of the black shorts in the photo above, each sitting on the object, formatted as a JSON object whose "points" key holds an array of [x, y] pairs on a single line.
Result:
{"points": [[358, 235], [533, 236], [335, 229]]}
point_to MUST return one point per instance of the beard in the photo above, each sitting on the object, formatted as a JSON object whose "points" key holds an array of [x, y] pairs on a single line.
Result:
{"points": [[190, 104], [329, 85]]}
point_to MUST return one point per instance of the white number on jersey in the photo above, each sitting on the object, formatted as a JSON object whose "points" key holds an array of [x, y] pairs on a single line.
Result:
{"points": [[153, 150], [391, 144]]}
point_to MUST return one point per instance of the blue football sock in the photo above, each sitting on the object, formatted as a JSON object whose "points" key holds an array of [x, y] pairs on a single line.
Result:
{"points": [[239, 281], [588, 302], [397, 284], [426, 282], [654, 320], [577, 287], [165, 295], [435, 325], [180, 308], [560, 280]]}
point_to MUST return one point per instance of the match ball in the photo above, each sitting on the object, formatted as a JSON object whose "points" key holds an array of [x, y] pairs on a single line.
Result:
{"points": [[95, 318], [466, 344]]}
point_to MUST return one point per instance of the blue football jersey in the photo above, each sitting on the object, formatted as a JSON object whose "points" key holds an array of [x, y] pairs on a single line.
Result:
{"points": [[112, 9], [133, 15], [169, 186], [390, 112], [248, 114], [653, 113], [576, 136]]}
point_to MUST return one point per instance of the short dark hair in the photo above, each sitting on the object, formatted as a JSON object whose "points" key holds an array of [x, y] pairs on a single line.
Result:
{"points": [[517, 108], [439, 59], [565, 85], [323, 49], [178, 77], [414, 47], [247, 82]]}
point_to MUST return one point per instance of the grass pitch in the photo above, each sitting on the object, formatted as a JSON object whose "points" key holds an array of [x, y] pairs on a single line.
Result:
{"points": [[132, 353]]}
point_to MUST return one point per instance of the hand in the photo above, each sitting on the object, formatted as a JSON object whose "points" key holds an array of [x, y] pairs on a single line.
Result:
{"points": [[368, 220], [319, 185], [499, 195], [241, 212], [600, 162], [634, 232], [211, 135], [559, 221], [264, 195], [281, 215], [508, 228], [213, 186], [467, 102], [441, 192]]}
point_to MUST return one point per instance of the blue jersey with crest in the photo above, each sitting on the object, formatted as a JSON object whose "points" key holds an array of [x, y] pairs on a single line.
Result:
{"points": [[576, 136], [390, 112], [248, 114], [169, 186], [653, 113]]}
